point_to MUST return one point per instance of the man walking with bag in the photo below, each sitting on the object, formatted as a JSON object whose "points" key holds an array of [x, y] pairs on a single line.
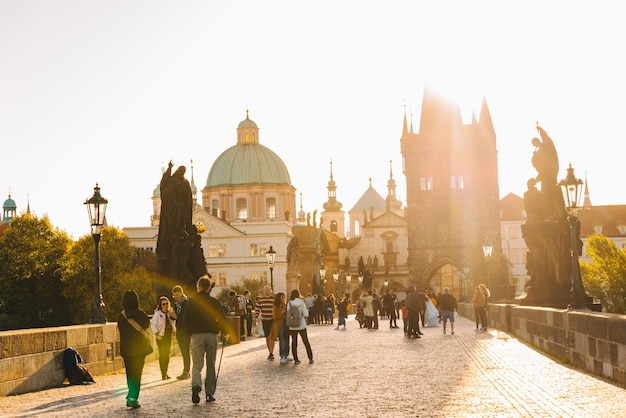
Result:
{"points": [[203, 320]]}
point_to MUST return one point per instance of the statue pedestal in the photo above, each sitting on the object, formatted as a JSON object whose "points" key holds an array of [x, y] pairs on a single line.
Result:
{"points": [[293, 282]]}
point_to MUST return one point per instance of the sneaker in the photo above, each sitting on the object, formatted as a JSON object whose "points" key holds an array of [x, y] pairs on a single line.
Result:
{"points": [[284, 360], [337, 327], [296, 362], [289, 359], [311, 361], [452, 332], [133, 403], [210, 398], [183, 376], [444, 331], [195, 397], [271, 356]]}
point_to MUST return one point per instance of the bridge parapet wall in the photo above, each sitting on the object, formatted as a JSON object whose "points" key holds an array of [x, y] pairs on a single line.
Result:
{"points": [[591, 341], [32, 359]]}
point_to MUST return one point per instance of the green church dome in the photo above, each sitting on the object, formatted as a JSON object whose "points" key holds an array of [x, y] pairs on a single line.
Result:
{"points": [[248, 164], [9, 204]]}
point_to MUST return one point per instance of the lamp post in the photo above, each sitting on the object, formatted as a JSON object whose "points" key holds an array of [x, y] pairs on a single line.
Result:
{"points": [[571, 187], [348, 280], [464, 278], [336, 280], [96, 208], [487, 251], [323, 277], [361, 281], [271, 258]]}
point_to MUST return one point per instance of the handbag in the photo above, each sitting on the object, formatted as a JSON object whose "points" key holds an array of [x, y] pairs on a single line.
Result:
{"points": [[259, 328], [147, 337]]}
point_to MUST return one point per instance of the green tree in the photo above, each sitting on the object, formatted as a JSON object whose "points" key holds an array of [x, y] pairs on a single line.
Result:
{"points": [[604, 277], [119, 272], [31, 254]]}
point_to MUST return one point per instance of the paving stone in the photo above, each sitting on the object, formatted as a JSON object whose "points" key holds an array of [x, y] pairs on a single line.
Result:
{"points": [[357, 373]]}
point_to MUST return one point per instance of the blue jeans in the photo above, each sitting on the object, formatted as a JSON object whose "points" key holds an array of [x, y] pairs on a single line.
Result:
{"points": [[341, 320], [283, 340]]}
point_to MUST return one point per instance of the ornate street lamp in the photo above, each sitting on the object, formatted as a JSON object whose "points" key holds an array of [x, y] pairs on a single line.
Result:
{"points": [[336, 279], [96, 208], [348, 280], [487, 249], [271, 258], [572, 187], [360, 280]]}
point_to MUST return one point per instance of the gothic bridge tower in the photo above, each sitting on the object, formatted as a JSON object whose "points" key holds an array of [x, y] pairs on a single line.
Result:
{"points": [[452, 209]]}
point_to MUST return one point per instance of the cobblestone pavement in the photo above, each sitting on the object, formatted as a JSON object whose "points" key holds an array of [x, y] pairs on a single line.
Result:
{"points": [[357, 373]]}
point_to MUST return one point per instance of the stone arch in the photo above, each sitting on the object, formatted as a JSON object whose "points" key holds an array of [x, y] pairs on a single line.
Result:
{"points": [[433, 268]]}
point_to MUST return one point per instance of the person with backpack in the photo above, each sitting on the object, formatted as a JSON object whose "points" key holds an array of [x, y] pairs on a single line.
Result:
{"points": [[296, 321]]}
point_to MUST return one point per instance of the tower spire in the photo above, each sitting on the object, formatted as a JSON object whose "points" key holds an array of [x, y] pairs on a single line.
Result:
{"points": [[332, 205], [586, 200], [405, 129]]}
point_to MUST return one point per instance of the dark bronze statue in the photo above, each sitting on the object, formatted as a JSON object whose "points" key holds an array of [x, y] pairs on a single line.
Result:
{"points": [[546, 231], [179, 252]]}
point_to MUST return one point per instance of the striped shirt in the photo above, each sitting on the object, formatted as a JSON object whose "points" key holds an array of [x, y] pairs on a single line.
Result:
{"points": [[264, 307]]}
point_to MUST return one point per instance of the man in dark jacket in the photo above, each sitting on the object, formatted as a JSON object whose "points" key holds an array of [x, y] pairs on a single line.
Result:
{"points": [[413, 305], [204, 319]]}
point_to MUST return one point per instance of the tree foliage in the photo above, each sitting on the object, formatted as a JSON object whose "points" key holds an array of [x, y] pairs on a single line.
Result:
{"points": [[31, 253], [119, 272], [604, 277]]}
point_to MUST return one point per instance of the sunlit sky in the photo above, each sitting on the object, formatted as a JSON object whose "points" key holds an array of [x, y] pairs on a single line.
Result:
{"points": [[110, 91]]}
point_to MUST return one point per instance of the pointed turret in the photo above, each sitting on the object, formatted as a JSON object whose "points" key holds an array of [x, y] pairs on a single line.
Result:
{"points": [[439, 117], [586, 200], [485, 118], [405, 129]]}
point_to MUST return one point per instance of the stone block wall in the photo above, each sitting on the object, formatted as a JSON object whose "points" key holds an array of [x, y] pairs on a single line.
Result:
{"points": [[591, 341], [32, 359]]}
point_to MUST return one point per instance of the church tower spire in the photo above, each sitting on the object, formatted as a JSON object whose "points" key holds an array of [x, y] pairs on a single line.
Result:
{"points": [[586, 200], [393, 203], [332, 209]]}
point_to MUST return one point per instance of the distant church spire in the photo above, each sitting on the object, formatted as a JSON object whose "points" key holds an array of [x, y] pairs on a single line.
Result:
{"points": [[586, 200], [301, 214], [392, 201], [332, 205]]}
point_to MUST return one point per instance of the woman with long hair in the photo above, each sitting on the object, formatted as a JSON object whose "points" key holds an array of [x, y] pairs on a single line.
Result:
{"points": [[296, 300], [133, 324], [279, 327], [163, 326]]}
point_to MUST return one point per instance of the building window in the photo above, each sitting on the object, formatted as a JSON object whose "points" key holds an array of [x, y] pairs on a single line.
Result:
{"points": [[512, 232], [333, 226], [242, 208], [263, 277], [254, 250], [262, 248], [270, 207], [222, 279], [514, 256], [217, 250], [426, 183], [456, 182], [597, 229], [254, 275], [215, 207], [357, 228]]}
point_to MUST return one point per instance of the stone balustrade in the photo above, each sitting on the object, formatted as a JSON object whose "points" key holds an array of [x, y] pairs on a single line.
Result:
{"points": [[591, 341]]}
